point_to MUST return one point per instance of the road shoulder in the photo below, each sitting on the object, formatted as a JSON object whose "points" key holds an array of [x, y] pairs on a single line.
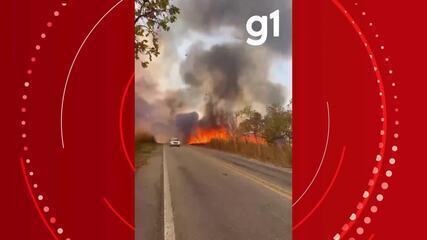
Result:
{"points": [[149, 198]]}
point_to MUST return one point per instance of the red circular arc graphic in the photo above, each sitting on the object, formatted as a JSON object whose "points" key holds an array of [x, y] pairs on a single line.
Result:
{"points": [[324, 194], [42, 212], [118, 215], [321, 160], [51, 227], [384, 119], [122, 139], [383, 101], [34, 200]]}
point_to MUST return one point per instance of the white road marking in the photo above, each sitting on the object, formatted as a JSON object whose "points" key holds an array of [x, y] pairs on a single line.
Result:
{"points": [[168, 223]]}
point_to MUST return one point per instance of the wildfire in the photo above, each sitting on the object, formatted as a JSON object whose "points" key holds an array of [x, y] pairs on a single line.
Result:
{"points": [[205, 135]]}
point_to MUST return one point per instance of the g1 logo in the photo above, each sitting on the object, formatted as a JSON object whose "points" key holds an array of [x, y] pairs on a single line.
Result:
{"points": [[262, 33]]}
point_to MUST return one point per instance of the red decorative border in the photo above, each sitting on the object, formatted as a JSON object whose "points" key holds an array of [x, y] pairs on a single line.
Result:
{"points": [[39, 200], [33, 188], [383, 150]]}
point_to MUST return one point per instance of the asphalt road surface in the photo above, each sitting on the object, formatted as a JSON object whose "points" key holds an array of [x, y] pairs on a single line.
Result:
{"points": [[193, 193]]}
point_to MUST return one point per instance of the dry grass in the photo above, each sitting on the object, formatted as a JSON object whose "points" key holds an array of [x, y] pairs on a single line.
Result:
{"points": [[144, 146], [279, 155]]}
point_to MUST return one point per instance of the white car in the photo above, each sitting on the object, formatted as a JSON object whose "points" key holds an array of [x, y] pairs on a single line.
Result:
{"points": [[174, 142]]}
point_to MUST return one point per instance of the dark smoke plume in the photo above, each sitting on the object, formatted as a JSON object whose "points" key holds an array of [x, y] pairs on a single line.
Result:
{"points": [[231, 75], [210, 15], [185, 123]]}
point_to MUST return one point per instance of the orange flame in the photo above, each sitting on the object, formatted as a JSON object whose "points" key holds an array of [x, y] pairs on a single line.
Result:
{"points": [[205, 135]]}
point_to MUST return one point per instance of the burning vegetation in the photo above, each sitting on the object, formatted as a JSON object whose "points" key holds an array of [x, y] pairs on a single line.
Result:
{"points": [[246, 126], [215, 77], [202, 136], [249, 133], [205, 136], [218, 82]]}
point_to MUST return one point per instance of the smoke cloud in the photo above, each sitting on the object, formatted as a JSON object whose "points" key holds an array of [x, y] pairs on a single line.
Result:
{"points": [[210, 16], [206, 71], [231, 76]]}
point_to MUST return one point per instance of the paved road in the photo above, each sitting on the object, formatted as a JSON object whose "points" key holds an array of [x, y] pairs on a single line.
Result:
{"points": [[214, 196]]}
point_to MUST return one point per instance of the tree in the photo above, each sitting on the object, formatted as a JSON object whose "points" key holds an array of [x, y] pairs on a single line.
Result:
{"points": [[277, 123], [151, 17], [251, 120]]}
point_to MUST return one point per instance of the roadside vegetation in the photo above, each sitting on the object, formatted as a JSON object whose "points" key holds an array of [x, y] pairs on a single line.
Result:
{"points": [[144, 146], [265, 138], [151, 18], [277, 155]]}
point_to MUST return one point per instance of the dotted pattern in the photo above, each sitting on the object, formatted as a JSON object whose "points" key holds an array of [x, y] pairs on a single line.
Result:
{"points": [[29, 169], [372, 197]]}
